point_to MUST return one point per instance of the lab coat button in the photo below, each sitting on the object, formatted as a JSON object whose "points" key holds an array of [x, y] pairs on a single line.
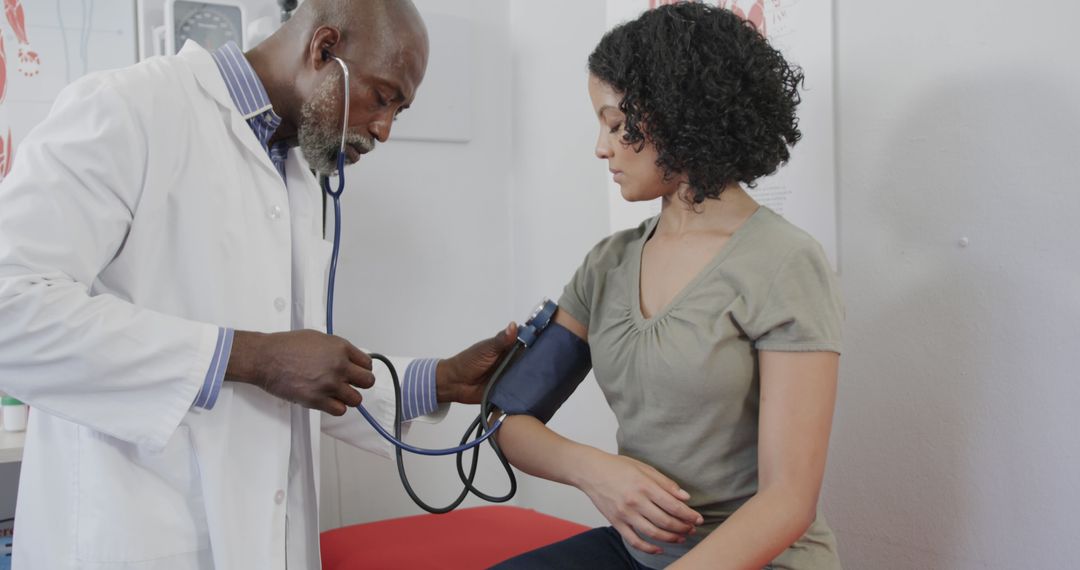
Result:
{"points": [[279, 304], [275, 212], [279, 497]]}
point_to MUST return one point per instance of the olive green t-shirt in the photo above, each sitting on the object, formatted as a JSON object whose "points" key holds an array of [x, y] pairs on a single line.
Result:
{"points": [[684, 383]]}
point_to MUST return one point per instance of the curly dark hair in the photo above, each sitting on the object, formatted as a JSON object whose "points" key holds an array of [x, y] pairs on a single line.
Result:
{"points": [[707, 90]]}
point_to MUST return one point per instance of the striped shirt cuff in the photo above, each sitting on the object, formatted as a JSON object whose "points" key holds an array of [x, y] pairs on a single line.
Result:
{"points": [[216, 374], [418, 389]]}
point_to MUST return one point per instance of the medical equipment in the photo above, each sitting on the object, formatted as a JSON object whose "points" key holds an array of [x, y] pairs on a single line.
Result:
{"points": [[545, 376], [287, 7], [543, 398], [7, 538], [165, 25], [210, 24]]}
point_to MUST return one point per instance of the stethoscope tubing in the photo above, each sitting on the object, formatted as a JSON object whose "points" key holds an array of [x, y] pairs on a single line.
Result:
{"points": [[480, 424]]}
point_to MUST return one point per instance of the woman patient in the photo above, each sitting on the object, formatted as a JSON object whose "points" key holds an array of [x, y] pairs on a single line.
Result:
{"points": [[714, 327]]}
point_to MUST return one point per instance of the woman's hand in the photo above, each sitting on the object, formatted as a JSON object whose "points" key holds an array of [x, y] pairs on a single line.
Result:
{"points": [[638, 499]]}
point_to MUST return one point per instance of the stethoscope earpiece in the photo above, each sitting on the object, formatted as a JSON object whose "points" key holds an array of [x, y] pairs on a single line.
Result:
{"points": [[327, 56]]}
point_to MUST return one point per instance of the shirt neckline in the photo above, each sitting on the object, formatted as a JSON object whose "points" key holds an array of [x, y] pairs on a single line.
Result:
{"points": [[635, 273]]}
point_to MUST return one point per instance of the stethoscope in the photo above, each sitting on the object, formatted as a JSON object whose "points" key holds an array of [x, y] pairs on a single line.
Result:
{"points": [[480, 424]]}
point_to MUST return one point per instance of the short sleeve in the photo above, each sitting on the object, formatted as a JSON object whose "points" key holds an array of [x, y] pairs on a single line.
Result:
{"points": [[590, 280], [802, 311], [577, 295]]}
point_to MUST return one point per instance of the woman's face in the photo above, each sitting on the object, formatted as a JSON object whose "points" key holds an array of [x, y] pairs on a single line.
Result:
{"points": [[634, 171]]}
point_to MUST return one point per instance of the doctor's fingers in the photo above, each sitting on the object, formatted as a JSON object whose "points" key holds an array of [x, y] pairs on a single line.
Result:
{"points": [[358, 357], [359, 376], [348, 395], [331, 406]]}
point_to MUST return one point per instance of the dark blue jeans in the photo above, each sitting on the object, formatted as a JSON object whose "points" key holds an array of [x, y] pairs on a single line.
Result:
{"points": [[596, 549]]}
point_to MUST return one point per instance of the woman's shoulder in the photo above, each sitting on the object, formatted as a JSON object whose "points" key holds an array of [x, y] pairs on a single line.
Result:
{"points": [[780, 238], [613, 249]]}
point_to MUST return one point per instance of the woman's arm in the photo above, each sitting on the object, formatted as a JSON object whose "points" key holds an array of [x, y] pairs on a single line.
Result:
{"points": [[631, 495], [798, 394]]}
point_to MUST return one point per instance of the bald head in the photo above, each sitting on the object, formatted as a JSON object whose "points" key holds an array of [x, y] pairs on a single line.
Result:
{"points": [[377, 36], [381, 21], [384, 46]]}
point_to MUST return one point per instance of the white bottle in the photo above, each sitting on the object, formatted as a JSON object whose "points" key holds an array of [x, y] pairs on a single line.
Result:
{"points": [[15, 414]]}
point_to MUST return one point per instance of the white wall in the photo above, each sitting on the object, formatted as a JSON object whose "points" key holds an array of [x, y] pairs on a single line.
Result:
{"points": [[955, 443], [560, 200], [425, 265]]}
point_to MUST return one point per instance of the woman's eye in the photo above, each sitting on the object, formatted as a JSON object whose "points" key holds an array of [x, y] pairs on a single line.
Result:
{"points": [[616, 128]]}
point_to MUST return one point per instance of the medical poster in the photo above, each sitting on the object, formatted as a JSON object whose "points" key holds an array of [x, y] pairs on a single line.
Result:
{"points": [[46, 45], [803, 190], [9, 487]]}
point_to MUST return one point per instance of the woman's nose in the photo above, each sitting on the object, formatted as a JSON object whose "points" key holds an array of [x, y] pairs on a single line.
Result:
{"points": [[603, 150]]}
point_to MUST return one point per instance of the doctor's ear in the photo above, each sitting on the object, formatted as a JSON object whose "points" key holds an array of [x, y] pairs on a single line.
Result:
{"points": [[323, 41]]}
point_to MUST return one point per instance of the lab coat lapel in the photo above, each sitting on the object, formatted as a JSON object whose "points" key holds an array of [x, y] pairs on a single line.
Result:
{"points": [[209, 77]]}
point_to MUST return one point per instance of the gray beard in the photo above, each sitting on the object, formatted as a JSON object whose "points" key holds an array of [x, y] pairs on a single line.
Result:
{"points": [[319, 133]]}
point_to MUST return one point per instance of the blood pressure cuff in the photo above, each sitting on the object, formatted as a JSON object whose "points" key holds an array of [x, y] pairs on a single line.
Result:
{"points": [[543, 378]]}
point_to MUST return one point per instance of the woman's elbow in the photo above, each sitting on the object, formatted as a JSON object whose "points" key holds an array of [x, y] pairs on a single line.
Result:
{"points": [[804, 513], [799, 507]]}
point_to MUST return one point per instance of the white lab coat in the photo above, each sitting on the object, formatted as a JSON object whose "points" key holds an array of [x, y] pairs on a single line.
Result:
{"points": [[140, 216]]}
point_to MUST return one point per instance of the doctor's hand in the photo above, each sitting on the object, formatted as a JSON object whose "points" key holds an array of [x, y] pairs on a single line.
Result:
{"points": [[637, 500], [462, 377], [307, 367]]}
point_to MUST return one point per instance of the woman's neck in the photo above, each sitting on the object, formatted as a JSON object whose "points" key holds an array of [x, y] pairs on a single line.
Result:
{"points": [[721, 215]]}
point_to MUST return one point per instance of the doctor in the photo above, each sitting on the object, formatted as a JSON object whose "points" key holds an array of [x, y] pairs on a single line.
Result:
{"points": [[162, 281]]}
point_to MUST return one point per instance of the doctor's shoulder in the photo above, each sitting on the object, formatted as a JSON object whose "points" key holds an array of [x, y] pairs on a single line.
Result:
{"points": [[152, 91]]}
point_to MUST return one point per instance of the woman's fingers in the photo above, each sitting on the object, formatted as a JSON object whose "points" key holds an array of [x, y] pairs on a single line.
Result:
{"points": [[671, 497], [634, 540], [663, 520], [675, 507], [644, 526]]}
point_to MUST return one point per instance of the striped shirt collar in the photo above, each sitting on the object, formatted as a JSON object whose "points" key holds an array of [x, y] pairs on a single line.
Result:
{"points": [[245, 88], [250, 97]]}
